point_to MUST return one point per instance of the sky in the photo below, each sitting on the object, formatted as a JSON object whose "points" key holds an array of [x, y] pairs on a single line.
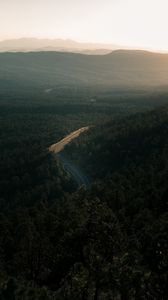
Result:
{"points": [[134, 23]]}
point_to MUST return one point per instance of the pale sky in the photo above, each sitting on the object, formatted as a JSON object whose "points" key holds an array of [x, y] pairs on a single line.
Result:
{"points": [[136, 23]]}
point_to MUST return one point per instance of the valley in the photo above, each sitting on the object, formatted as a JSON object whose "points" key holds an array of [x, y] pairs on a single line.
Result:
{"points": [[83, 176]]}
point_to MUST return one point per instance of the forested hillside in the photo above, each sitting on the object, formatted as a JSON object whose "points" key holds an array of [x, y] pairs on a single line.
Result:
{"points": [[119, 69], [106, 242]]}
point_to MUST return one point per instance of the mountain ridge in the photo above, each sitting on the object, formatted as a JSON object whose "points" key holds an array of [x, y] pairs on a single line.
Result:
{"points": [[120, 68], [28, 44]]}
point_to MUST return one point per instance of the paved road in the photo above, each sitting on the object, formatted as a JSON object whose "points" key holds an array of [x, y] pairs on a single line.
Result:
{"points": [[79, 177], [58, 147]]}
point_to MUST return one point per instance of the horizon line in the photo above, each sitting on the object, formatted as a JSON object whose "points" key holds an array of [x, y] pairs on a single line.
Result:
{"points": [[123, 46]]}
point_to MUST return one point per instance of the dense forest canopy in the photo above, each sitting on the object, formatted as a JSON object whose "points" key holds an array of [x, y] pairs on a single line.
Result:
{"points": [[59, 240]]}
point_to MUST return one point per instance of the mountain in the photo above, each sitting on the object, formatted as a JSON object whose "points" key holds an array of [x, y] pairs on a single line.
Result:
{"points": [[119, 69], [34, 44]]}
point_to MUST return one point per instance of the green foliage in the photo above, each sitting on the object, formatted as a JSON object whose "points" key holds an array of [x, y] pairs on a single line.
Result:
{"points": [[105, 242]]}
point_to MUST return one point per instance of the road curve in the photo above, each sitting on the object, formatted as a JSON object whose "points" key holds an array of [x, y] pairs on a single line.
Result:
{"points": [[58, 147], [79, 177]]}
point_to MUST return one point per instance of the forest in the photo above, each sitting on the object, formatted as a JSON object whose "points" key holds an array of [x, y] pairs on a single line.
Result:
{"points": [[105, 241]]}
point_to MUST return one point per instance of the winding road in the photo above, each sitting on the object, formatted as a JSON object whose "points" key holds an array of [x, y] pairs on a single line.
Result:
{"points": [[58, 147], [79, 177]]}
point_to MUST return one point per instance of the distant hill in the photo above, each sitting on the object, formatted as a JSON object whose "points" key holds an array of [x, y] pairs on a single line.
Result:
{"points": [[121, 68], [34, 44]]}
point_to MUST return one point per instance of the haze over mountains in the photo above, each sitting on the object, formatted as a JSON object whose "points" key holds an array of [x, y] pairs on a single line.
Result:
{"points": [[121, 68], [34, 44]]}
